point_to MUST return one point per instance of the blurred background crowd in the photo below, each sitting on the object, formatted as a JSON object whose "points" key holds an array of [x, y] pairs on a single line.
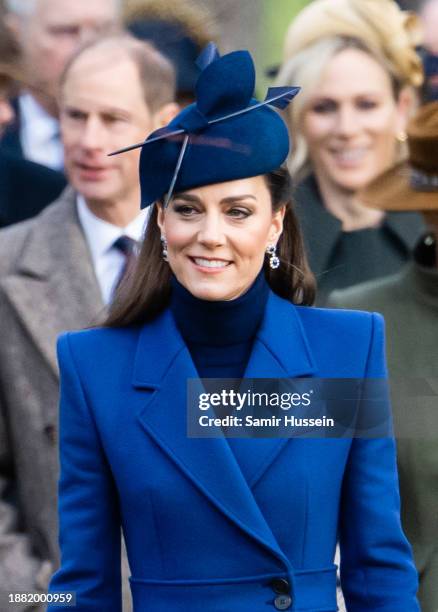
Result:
{"points": [[80, 79]]}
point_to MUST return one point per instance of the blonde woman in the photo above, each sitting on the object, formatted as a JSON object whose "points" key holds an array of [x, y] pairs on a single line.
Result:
{"points": [[357, 65]]}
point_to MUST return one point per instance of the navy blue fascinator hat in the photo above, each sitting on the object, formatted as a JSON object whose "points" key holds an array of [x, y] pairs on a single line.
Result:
{"points": [[225, 135]]}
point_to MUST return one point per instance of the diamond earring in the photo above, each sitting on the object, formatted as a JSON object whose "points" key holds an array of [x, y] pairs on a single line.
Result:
{"points": [[274, 262], [164, 246]]}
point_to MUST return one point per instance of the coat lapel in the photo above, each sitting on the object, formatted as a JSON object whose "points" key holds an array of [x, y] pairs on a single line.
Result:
{"points": [[321, 230], [407, 227], [54, 288], [279, 350]]}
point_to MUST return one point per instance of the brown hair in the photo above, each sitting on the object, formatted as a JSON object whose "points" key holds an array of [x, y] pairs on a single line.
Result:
{"points": [[145, 292], [156, 73], [10, 61]]}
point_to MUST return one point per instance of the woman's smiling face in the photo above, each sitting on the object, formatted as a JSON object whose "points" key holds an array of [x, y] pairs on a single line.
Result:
{"points": [[217, 236], [351, 122]]}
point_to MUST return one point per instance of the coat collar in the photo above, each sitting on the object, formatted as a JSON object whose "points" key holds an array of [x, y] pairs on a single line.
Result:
{"points": [[407, 226], [53, 287], [320, 237], [322, 230], [280, 350]]}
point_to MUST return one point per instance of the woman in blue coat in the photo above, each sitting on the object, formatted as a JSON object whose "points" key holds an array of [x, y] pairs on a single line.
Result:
{"points": [[221, 289]]}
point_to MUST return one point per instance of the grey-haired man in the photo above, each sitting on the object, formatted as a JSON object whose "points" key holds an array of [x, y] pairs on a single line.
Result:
{"points": [[49, 32]]}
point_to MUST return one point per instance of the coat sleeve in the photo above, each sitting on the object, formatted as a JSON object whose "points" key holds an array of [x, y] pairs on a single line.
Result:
{"points": [[89, 518], [377, 569]]}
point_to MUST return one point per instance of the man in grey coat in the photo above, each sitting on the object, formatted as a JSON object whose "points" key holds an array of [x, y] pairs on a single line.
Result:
{"points": [[409, 303], [57, 272]]}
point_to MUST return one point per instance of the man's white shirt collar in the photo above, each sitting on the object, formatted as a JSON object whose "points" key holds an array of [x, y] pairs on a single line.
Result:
{"points": [[100, 235], [39, 134]]}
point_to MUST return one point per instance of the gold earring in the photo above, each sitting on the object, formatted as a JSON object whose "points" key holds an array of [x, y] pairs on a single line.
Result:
{"points": [[402, 137]]}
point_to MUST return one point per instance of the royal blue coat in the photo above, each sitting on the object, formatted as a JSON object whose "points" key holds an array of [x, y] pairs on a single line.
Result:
{"points": [[206, 532]]}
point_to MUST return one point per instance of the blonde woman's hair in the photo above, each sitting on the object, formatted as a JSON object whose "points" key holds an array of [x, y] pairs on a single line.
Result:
{"points": [[326, 27], [305, 69], [379, 24]]}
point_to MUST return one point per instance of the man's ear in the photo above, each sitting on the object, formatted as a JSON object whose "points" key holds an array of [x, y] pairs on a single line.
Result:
{"points": [[165, 114]]}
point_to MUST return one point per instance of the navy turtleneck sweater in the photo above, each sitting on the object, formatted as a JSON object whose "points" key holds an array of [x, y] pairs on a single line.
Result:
{"points": [[219, 335]]}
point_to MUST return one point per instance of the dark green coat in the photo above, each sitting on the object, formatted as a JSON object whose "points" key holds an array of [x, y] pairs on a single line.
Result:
{"points": [[409, 303]]}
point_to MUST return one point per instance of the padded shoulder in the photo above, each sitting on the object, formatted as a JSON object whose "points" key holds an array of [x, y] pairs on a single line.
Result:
{"points": [[15, 239], [335, 320], [369, 295], [344, 342], [100, 348], [12, 241]]}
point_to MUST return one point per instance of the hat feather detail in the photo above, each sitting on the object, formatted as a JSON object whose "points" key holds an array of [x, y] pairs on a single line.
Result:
{"points": [[280, 97], [207, 56]]}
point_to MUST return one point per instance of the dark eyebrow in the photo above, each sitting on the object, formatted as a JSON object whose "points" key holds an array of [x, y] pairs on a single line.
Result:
{"points": [[72, 109], [232, 199], [187, 197]]}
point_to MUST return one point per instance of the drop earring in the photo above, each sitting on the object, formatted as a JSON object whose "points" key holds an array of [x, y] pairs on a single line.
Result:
{"points": [[164, 247], [274, 262], [402, 137]]}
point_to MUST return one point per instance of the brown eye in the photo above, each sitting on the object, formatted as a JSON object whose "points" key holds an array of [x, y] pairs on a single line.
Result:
{"points": [[184, 210], [365, 104], [113, 119], [75, 115], [238, 213], [65, 31], [324, 107]]}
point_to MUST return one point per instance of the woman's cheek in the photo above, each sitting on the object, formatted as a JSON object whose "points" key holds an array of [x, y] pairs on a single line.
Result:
{"points": [[180, 234], [382, 121], [316, 129]]}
